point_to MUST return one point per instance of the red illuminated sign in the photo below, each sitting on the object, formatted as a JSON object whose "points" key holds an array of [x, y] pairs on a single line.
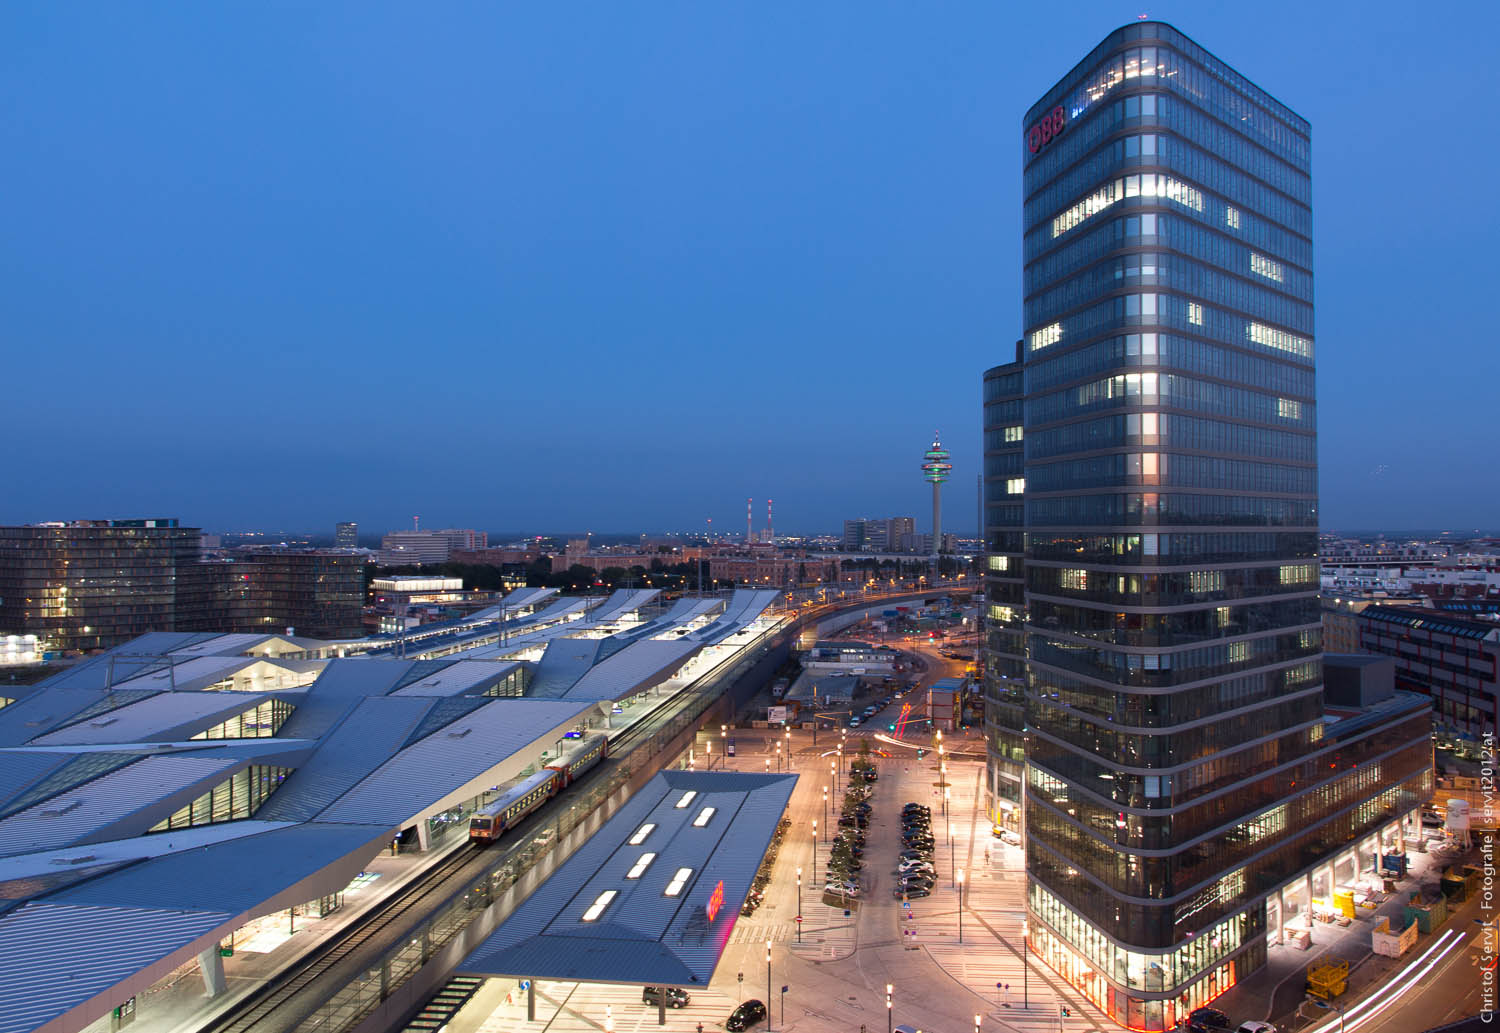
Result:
{"points": [[1047, 130], [715, 901]]}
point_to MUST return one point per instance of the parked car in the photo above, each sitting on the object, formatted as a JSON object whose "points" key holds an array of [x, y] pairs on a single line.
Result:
{"points": [[853, 723], [1256, 1026], [745, 1016], [1207, 1020], [676, 998], [910, 894]]}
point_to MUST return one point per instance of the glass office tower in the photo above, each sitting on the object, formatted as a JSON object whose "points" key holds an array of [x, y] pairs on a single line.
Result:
{"points": [[1004, 611], [1170, 490]]}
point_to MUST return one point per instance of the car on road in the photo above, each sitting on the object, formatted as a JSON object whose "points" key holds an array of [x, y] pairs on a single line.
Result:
{"points": [[745, 1016], [854, 722], [1207, 1020], [1256, 1026], [676, 998]]}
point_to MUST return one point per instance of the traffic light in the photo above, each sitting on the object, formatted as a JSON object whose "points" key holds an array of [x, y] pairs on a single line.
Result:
{"points": [[890, 727]]}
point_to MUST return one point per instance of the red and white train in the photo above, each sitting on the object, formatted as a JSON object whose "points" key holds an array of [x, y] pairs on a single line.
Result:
{"points": [[492, 820]]}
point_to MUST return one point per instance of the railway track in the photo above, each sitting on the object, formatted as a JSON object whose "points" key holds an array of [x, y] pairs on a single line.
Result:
{"points": [[271, 1008]]}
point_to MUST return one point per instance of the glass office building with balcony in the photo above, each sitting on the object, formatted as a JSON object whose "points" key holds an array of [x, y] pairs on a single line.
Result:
{"points": [[1154, 652]]}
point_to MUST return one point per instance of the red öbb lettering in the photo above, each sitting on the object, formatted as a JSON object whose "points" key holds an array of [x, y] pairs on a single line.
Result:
{"points": [[1045, 131]]}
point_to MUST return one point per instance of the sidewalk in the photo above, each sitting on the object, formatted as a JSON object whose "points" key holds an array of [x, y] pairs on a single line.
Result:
{"points": [[1276, 991]]}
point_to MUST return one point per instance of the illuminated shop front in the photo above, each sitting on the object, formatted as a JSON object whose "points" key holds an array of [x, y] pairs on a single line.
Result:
{"points": [[1144, 990]]}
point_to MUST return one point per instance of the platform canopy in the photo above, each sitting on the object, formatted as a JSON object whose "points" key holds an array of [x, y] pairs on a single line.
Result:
{"points": [[653, 896]]}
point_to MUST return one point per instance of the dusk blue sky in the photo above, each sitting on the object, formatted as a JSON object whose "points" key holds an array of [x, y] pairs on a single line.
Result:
{"points": [[622, 265]]}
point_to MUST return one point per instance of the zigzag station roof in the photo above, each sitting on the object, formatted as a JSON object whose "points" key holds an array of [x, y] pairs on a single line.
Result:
{"points": [[653, 896]]}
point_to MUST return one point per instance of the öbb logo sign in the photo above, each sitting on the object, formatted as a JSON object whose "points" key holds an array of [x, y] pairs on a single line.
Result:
{"points": [[1047, 130]]}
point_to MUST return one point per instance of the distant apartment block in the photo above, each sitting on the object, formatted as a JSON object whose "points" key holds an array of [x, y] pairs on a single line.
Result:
{"points": [[1453, 660], [346, 535], [884, 535], [416, 547]]}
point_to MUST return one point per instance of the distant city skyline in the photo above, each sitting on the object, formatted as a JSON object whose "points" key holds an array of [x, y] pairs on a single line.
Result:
{"points": [[546, 267]]}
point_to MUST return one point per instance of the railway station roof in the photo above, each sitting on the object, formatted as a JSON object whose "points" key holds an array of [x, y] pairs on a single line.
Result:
{"points": [[100, 897], [652, 896]]}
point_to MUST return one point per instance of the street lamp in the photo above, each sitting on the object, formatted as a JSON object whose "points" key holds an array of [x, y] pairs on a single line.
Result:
{"points": [[815, 851], [778, 755], [825, 805], [799, 903], [976, 1024], [609, 1017], [768, 986], [960, 905], [1025, 963], [888, 989], [947, 818], [768, 765]]}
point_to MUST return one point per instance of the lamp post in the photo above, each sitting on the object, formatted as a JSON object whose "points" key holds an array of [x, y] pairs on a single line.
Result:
{"points": [[609, 1016], [948, 821], [778, 755], [825, 807], [768, 765], [815, 851], [888, 989], [976, 1024], [960, 905], [799, 903], [1025, 963], [768, 986]]}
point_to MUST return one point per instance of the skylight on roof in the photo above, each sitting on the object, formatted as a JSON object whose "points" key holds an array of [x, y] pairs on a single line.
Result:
{"points": [[678, 881], [641, 834], [597, 907], [640, 866], [703, 818], [687, 798]]}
